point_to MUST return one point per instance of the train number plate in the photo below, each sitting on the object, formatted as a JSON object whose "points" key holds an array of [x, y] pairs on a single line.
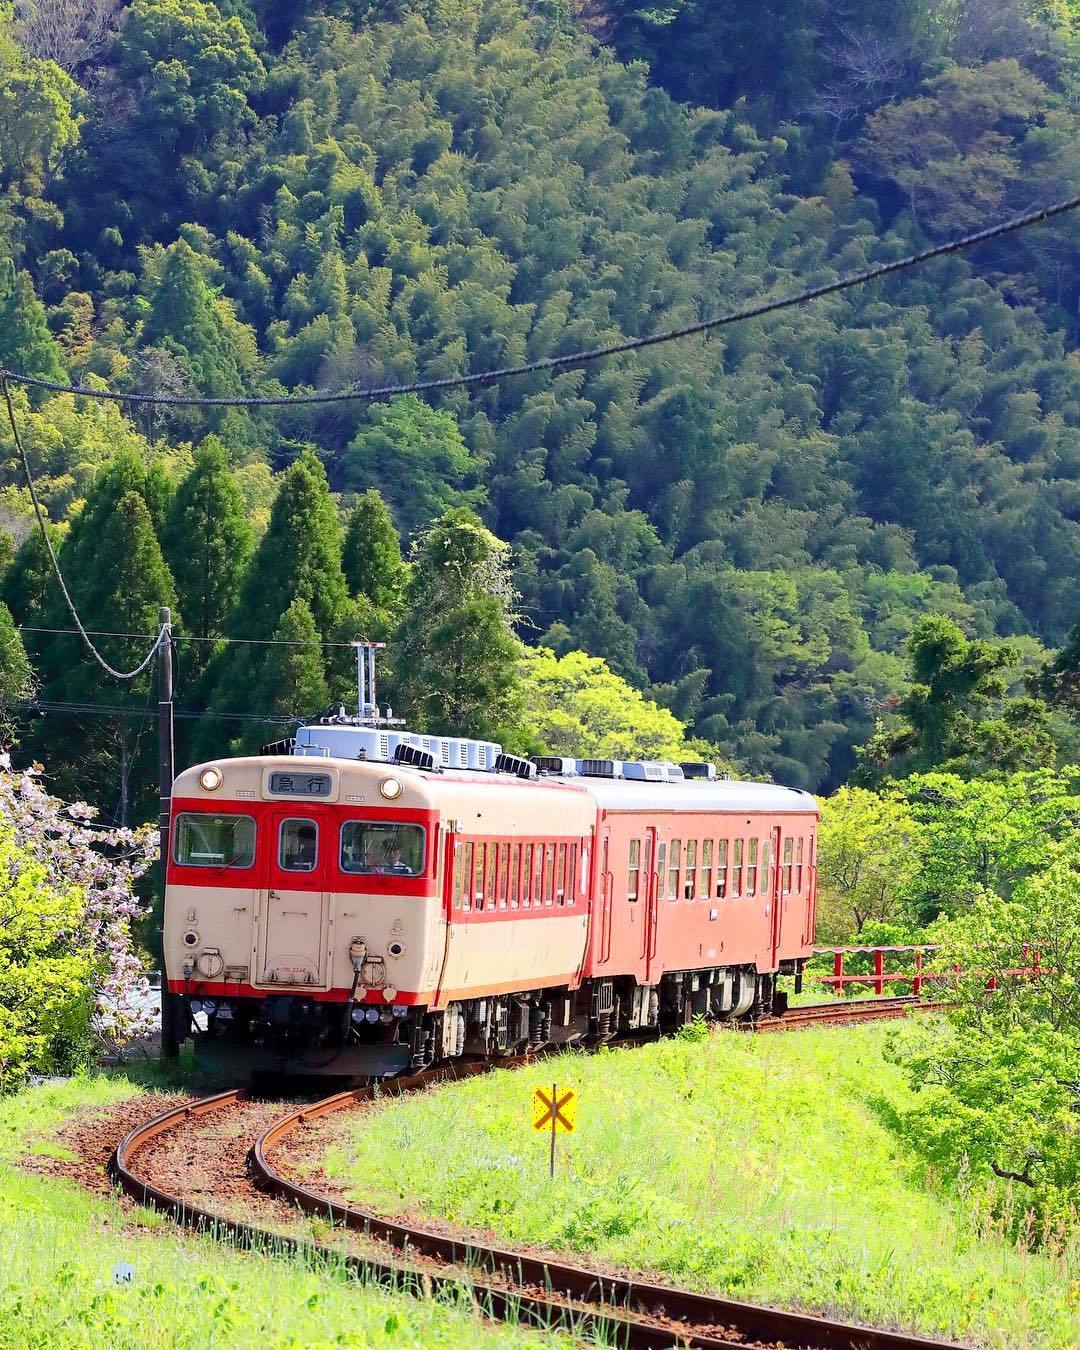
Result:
{"points": [[300, 784]]}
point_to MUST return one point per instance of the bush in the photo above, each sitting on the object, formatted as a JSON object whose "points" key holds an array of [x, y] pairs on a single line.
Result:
{"points": [[69, 977]]}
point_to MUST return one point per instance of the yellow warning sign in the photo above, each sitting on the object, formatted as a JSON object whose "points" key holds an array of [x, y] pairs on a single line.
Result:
{"points": [[554, 1110]]}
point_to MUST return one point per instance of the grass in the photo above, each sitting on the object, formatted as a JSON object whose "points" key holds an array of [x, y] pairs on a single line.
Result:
{"points": [[58, 1246], [763, 1168]]}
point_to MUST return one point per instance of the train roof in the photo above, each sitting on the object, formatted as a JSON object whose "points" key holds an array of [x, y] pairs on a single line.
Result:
{"points": [[722, 795]]}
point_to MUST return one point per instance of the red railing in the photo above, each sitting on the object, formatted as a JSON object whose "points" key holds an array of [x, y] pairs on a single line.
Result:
{"points": [[916, 976]]}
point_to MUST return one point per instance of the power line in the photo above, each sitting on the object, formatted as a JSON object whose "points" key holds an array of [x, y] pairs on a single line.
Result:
{"points": [[118, 710], [122, 675], [549, 363], [180, 637]]}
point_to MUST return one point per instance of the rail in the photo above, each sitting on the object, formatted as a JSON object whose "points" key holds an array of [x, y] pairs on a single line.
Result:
{"points": [[504, 1283]]}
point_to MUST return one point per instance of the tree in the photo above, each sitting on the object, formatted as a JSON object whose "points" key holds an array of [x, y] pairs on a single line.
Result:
{"points": [[37, 119], [1060, 681], [70, 977], [186, 318], [959, 717], [414, 455], [297, 559], [70, 33], [456, 656], [371, 557], [16, 677], [867, 857], [576, 705], [26, 345], [292, 684], [119, 581], [996, 1082], [207, 541], [983, 835]]}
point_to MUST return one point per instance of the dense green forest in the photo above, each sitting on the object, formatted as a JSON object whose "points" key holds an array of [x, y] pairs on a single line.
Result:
{"points": [[241, 198]]}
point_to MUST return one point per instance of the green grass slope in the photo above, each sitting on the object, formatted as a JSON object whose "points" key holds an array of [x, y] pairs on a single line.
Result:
{"points": [[58, 1246], [760, 1167]]}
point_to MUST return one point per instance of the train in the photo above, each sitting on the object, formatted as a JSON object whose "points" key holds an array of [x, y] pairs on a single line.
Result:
{"points": [[366, 901]]}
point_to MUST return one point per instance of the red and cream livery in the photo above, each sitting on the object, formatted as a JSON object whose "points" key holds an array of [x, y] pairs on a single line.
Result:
{"points": [[366, 900]]}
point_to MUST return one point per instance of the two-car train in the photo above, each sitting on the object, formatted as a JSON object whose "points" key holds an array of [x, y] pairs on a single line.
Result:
{"points": [[360, 900]]}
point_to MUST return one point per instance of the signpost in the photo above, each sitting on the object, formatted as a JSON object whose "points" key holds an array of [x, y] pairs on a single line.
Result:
{"points": [[554, 1111]]}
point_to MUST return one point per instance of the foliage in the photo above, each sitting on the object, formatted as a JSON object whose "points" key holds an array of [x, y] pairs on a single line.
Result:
{"points": [[207, 540], [1061, 679], [867, 861], [958, 716], [985, 835], [745, 528], [17, 681], [70, 975], [576, 705], [413, 455], [677, 1143], [997, 1081], [457, 664]]}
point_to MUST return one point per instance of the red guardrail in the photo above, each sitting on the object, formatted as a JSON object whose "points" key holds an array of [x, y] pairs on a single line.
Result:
{"points": [[916, 977]]}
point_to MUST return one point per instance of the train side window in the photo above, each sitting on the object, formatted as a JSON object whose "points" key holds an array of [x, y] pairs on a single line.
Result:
{"points": [[661, 864], [560, 877], [478, 877], [492, 865], [298, 846], [205, 840], [538, 876], [690, 875], [706, 868], [789, 845], [526, 875], [751, 866], [549, 875], [634, 879], [467, 877], [571, 875], [674, 866], [503, 878], [798, 865], [736, 869], [766, 868], [515, 876], [721, 868], [459, 861]]}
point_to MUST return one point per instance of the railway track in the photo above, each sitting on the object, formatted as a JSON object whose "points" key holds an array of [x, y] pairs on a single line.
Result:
{"points": [[531, 1289], [843, 1012]]}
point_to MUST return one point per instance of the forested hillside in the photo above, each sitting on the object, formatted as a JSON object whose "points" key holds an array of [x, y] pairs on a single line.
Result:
{"points": [[234, 198]]}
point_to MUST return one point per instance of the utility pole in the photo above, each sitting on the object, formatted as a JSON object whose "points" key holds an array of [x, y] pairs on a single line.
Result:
{"points": [[171, 1028]]}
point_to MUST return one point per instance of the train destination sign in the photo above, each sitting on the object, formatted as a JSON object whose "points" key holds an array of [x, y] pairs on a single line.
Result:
{"points": [[300, 784]]}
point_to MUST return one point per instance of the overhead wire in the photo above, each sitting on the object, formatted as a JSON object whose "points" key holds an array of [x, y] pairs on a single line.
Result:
{"points": [[124, 676], [480, 378], [185, 637], [573, 359]]}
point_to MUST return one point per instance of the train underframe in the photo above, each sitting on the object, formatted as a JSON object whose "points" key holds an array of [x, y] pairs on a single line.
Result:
{"points": [[291, 1033]]}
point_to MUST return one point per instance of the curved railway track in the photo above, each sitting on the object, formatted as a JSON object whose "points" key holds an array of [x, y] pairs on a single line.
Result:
{"points": [[504, 1284]]}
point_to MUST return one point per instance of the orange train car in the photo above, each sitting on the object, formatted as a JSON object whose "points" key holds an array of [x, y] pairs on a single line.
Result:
{"points": [[360, 900]]}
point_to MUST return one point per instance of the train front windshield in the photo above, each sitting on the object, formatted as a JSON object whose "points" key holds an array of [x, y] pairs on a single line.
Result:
{"points": [[375, 848]]}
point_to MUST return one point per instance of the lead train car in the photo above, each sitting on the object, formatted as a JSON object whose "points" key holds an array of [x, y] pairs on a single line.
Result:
{"points": [[332, 910]]}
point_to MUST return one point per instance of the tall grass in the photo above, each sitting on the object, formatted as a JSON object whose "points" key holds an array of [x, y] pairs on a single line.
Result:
{"points": [[764, 1168], [58, 1247]]}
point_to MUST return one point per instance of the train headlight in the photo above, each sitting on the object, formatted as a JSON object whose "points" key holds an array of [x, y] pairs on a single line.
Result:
{"points": [[372, 1014], [391, 788], [210, 780], [190, 938]]}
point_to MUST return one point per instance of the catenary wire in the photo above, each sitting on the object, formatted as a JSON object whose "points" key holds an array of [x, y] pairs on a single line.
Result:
{"points": [[571, 360], [184, 637], [118, 710], [124, 676]]}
